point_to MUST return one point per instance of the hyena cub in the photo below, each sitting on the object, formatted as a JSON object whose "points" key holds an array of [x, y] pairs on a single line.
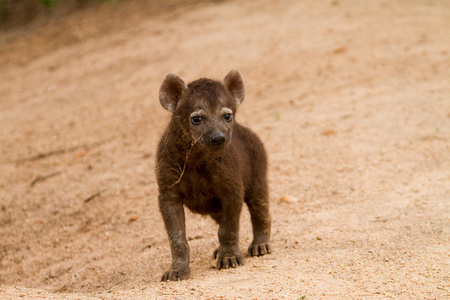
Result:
{"points": [[209, 163]]}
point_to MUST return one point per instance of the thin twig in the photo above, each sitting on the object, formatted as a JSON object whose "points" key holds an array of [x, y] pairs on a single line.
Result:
{"points": [[42, 178], [185, 161], [93, 196], [75, 275]]}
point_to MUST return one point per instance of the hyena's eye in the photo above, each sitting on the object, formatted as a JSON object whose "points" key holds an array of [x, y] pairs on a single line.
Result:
{"points": [[228, 117], [196, 120]]}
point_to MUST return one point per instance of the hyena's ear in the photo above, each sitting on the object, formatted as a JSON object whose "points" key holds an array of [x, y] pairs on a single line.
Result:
{"points": [[170, 91], [234, 83]]}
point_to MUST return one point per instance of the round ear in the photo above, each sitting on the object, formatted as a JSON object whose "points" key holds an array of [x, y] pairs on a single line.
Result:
{"points": [[170, 91], [234, 83]]}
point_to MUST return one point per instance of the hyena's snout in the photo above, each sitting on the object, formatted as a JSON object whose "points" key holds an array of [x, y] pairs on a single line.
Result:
{"points": [[217, 139]]}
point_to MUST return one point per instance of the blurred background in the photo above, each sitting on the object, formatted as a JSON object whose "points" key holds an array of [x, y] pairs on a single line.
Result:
{"points": [[350, 97]]}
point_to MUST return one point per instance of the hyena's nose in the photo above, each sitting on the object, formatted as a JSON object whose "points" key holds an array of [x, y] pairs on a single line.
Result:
{"points": [[217, 138]]}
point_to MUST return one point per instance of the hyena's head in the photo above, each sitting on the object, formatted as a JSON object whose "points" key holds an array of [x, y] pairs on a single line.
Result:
{"points": [[205, 108]]}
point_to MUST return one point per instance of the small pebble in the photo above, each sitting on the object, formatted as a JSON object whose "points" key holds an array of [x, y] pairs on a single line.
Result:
{"points": [[288, 199]]}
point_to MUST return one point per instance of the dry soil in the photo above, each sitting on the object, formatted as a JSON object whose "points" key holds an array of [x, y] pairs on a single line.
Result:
{"points": [[351, 98]]}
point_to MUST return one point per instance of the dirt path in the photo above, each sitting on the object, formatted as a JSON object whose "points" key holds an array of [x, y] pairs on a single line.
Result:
{"points": [[352, 100]]}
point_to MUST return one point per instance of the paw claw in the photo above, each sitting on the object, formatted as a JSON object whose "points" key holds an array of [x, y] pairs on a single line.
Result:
{"points": [[228, 258], [173, 275], [259, 249]]}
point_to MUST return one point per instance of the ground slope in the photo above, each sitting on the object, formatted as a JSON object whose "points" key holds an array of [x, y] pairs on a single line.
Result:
{"points": [[351, 98]]}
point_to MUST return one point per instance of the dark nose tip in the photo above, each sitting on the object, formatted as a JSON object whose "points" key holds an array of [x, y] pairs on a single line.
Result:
{"points": [[217, 138]]}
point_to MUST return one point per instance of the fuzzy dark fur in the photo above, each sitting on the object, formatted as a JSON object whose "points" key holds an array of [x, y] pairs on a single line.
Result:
{"points": [[209, 163]]}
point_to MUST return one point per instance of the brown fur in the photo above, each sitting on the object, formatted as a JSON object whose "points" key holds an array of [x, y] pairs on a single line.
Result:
{"points": [[212, 168]]}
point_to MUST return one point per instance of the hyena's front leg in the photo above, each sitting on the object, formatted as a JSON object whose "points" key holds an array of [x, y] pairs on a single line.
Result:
{"points": [[173, 214]]}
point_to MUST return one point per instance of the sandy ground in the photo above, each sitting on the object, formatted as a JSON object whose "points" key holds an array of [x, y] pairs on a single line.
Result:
{"points": [[351, 98]]}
